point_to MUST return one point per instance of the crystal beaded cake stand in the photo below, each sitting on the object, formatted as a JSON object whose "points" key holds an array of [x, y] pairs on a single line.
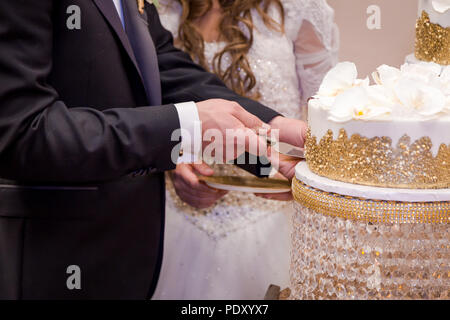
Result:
{"points": [[357, 242]]}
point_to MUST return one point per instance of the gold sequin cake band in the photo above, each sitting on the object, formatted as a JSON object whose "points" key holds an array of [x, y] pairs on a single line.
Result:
{"points": [[374, 211], [375, 162], [432, 41]]}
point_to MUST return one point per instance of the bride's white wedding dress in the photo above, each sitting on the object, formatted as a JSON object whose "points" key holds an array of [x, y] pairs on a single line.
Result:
{"points": [[236, 249]]}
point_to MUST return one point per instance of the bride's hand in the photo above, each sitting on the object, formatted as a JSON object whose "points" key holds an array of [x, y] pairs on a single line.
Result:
{"points": [[191, 190], [291, 131]]}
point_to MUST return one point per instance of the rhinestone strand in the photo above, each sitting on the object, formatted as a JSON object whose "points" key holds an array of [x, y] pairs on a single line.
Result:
{"points": [[373, 211]]}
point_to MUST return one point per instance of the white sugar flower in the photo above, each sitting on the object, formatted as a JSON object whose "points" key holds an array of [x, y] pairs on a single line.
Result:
{"points": [[425, 72], [419, 90], [355, 104], [382, 96], [441, 6], [386, 75], [342, 77], [421, 99]]}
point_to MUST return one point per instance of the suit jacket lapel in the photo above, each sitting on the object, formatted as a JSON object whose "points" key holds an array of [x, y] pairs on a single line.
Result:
{"points": [[109, 12]]}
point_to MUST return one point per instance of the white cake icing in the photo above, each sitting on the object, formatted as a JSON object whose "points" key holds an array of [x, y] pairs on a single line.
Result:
{"points": [[411, 59], [438, 10], [413, 101]]}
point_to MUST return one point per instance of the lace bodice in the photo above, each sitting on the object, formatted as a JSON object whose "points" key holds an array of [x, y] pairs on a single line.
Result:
{"points": [[288, 68]]}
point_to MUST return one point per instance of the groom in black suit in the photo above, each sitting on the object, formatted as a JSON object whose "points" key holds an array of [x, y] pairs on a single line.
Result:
{"points": [[87, 100]]}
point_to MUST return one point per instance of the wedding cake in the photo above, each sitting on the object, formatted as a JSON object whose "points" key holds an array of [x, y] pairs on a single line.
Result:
{"points": [[394, 133], [433, 32], [372, 199]]}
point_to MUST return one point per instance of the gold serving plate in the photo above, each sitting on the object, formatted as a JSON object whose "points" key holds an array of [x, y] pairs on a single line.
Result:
{"points": [[247, 184]]}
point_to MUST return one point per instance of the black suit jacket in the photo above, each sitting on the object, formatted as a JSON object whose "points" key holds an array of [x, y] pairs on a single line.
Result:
{"points": [[74, 123]]}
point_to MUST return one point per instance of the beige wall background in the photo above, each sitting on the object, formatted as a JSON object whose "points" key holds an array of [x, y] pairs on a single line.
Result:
{"points": [[371, 48]]}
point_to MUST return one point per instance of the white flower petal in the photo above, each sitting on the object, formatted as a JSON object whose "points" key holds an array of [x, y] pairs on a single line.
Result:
{"points": [[355, 104], [381, 96], [426, 72], [446, 73], [346, 103], [362, 82], [376, 113], [421, 99], [386, 75], [338, 79]]}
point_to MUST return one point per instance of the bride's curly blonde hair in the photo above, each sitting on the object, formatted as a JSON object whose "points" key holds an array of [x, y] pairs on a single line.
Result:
{"points": [[236, 14]]}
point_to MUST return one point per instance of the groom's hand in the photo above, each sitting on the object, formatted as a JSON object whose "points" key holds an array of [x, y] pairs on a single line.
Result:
{"points": [[191, 190], [238, 129]]}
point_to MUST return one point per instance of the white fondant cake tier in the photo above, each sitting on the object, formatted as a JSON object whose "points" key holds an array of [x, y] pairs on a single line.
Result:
{"points": [[438, 130], [411, 59], [305, 175], [440, 18]]}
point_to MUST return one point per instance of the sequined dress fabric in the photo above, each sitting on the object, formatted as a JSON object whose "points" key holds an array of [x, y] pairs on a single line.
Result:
{"points": [[245, 231]]}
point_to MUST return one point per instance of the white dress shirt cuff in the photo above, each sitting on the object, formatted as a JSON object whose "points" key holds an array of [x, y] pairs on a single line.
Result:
{"points": [[191, 133]]}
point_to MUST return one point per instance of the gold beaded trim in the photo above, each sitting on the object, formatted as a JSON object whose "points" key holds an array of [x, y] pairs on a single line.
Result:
{"points": [[432, 41], [375, 162], [374, 211]]}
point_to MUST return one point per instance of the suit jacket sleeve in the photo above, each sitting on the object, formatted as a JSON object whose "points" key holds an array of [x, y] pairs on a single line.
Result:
{"points": [[184, 80], [43, 140]]}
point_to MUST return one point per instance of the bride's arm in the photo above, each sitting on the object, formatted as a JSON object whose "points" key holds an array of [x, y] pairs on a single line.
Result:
{"points": [[316, 46]]}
